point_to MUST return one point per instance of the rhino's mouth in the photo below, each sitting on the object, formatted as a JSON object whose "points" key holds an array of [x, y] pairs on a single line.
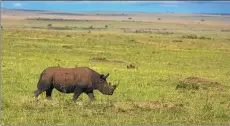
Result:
{"points": [[108, 89], [109, 92]]}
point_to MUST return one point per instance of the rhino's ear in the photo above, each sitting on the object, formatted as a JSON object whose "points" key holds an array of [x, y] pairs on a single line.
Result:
{"points": [[101, 76], [106, 76]]}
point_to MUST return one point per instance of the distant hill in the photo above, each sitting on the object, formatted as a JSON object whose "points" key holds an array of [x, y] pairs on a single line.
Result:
{"points": [[6, 9]]}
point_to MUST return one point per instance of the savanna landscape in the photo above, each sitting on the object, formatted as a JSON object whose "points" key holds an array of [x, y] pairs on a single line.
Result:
{"points": [[173, 68]]}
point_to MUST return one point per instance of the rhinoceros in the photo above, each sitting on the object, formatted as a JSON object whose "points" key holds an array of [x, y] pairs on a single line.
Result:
{"points": [[73, 80]]}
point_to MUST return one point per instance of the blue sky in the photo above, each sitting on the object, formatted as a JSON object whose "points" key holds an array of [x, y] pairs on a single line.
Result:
{"points": [[124, 6]]}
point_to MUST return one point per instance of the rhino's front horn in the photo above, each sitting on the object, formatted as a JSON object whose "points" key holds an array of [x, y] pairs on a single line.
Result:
{"points": [[115, 86], [118, 83]]}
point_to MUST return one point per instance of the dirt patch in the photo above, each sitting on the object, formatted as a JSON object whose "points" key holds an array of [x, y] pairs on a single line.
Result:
{"points": [[197, 83], [118, 61], [228, 104], [100, 59], [123, 107], [144, 106]]}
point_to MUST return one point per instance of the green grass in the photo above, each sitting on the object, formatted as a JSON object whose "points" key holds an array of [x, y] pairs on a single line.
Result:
{"points": [[146, 95]]}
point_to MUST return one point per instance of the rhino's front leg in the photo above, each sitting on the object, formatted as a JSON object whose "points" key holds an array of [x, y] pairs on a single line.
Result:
{"points": [[91, 96], [77, 93]]}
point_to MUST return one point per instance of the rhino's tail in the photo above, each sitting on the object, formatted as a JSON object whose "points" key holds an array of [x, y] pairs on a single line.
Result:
{"points": [[38, 92]]}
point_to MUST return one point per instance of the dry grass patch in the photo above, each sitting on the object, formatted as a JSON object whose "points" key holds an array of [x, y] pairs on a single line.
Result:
{"points": [[197, 83]]}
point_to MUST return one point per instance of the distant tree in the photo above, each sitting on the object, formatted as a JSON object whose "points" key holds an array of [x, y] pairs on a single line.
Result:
{"points": [[106, 26], [91, 27], [49, 25], [68, 35], [159, 18]]}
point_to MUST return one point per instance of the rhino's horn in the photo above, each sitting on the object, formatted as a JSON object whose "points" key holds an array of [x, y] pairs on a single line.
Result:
{"points": [[118, 83], [115, 86]]}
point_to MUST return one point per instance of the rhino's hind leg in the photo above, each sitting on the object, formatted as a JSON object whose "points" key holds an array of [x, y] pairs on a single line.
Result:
{"points": [[43, 85], [37, 93], [77, 93], [49, 93]]}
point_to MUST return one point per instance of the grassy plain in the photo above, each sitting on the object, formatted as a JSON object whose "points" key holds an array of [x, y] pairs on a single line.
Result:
{"points": [[147, 94]]}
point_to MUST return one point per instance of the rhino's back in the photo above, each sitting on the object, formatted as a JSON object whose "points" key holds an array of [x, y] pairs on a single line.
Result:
{"points": [[81, 76]]}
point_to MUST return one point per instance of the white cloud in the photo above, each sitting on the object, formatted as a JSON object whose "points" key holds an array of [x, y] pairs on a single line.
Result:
{"points": [[17, 4]]}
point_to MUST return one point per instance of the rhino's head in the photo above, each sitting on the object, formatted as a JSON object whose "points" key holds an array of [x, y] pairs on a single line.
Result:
{"points": [[105, 87]]}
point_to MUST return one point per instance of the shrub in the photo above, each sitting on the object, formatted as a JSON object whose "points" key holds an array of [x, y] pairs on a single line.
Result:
{"points": [[49, 25], [131, 66], [177, 41], [68, 35], [195, 37], [91, 27], [190, 36]]}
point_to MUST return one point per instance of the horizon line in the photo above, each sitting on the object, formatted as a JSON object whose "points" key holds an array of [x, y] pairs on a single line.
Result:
{"points": [[24, 9]]}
